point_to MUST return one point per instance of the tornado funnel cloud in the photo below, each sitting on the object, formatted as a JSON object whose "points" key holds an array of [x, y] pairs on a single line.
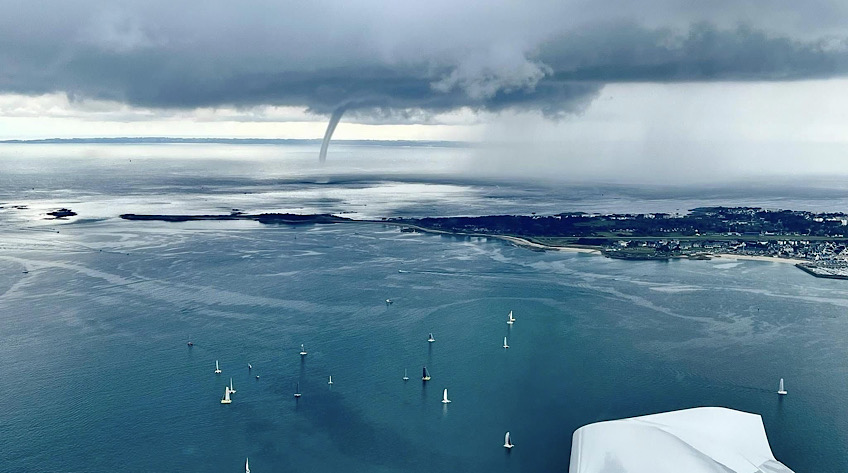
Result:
{"points": [[328, 135]]}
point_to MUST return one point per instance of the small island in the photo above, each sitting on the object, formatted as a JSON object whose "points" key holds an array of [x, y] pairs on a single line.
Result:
{"points": [[62, 213]]}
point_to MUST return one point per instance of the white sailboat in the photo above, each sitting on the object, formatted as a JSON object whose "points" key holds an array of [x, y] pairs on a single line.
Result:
{"points": [[781, 390], [510, 319], [297, 390], [246, 465], [302, 350], [331, 380], [249, 367], [232, 391], [507, 441], [505, 345], [430, 338], [226, 399], [425, 376], [405, 377], [445, 399], [217, 369]]}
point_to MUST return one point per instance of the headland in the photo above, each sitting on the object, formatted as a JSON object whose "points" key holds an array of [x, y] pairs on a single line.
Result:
{"points": [[268, 218], [814, 242]]}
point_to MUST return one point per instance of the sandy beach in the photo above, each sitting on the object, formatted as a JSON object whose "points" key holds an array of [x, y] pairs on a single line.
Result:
{"points": [[522, 242], [769, 259]]}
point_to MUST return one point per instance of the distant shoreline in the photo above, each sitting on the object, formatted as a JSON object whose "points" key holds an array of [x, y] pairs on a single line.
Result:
{"points": [[518, 241], [767, 259], [523, 242], [296, 219], [598, 251], [241, 141]]}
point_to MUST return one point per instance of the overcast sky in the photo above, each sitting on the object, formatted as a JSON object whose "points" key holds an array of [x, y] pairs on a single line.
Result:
{"points": [[641, 77]]}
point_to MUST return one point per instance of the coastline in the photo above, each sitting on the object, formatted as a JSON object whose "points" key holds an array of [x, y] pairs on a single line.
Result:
{"points": [[767, 259], [523, 242], [516, 240], [532, 244]]}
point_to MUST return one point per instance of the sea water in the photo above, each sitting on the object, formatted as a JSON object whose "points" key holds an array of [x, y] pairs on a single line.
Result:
{"points": [[96, 312]]}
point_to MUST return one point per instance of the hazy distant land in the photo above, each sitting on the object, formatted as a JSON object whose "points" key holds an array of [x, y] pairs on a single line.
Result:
{"points": [[236, 141]]}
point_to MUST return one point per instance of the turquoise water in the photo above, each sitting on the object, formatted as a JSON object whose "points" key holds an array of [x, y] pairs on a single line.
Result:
{"points": [[97, 375]]}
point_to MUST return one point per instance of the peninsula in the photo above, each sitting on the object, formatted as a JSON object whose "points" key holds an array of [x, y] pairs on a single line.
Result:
{"points": [[815, 242], [268, 218]]}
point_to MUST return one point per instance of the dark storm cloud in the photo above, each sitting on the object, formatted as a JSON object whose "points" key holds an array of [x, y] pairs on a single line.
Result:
{"points": [[396, 60], [629, 53]]}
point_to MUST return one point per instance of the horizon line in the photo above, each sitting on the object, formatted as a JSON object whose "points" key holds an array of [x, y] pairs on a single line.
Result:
{"points": [[212, 140]]}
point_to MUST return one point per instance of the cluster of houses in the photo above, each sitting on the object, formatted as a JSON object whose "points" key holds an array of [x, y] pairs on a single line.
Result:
{"points": [[829, 253]]}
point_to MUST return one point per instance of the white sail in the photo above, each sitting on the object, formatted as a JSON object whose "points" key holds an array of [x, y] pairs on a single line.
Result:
{"points": [[781, 389], [430, 338], [330, 381], [246, 465], [505, 345], [507, 442], [405, 376], [217, 369], [226, 399], [445, 399], [231, 386], [509, 318], [302, 350]]}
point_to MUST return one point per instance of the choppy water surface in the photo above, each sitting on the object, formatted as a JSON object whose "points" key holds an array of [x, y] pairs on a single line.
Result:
{"points": [[95, 313]]}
